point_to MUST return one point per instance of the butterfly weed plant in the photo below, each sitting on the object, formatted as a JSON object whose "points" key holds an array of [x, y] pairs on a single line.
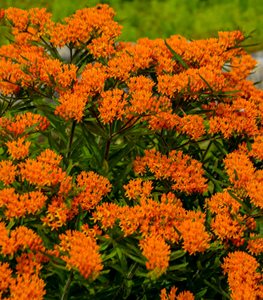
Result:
{"points": [[127, 170]]}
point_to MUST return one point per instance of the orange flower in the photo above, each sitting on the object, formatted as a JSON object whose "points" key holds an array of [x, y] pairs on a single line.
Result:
{"points": [[50, 157], [82, 253], [27, 286], [255, 188], [138, 188], [227, 228], [112, 105], [243, 279], [195, 237], [21, 238], [192, 125], [185, 295], [84, 25], [157, 253], [22, 122], [58, 213], [185, 173], [18, 149], [257, 148], [255, 245], [106, 214], [94, 187], [240, 117], [222, 203], [8, 172], [120, 66], [30, 263], [41, 173], [5, 277], [239, 169], [19, 205]]}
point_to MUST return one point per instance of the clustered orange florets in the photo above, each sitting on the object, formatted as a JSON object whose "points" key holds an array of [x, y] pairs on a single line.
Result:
{"points": [[190, 89]]}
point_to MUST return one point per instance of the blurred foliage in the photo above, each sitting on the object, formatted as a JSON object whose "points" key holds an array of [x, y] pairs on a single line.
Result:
{"points": [[193, 19]]}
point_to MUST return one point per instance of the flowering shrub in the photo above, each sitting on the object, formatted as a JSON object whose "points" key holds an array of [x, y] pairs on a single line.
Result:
{"points": [[127, 171]]}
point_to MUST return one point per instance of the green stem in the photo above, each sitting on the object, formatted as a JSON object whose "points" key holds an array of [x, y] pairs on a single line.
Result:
{"points": [[67, 287], [73, 126]]}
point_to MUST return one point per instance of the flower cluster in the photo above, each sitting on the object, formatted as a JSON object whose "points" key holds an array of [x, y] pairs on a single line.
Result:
{"points": [[134, 165]]}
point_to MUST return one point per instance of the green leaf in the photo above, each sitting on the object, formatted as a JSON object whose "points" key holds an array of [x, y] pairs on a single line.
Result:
{"points": [[177, 254], [180, 267], [176, 56]]}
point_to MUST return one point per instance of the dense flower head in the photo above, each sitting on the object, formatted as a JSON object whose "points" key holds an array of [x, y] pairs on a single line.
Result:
{"points": [[157, 253], [5, 276], [27, 286], [21, 238], [87, 24], [243, 278], [94, 187], [112, 105], [82, 253], [18, 149], [8, 172], [19, 205], [239, 169], [194, 235], [257, 148], [21, 123], [42, 171], [171, 109], [137, 188], [58, 213], [185, 295], [185, 173]]}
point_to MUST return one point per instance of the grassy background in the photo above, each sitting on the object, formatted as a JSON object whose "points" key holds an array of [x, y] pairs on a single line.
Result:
{"points": [[153, 18]]}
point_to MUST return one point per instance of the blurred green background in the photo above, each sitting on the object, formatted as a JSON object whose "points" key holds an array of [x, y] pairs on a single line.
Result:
{"points": [[151, 18]]}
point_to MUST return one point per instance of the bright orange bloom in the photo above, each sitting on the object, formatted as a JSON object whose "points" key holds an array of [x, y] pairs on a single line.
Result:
{"points": [[137, 188], [106, 214], [112, 105], [5, 277], [228, 228], [27, 286], [257, 148], [19, 205], [21, 238], [50, 157], [8, 172], [82, 253], [85, 25], [239, 169], [22, 122], [239, 117], [192, 125], [255, 189], [185, 173], [73, 102], [18, 149], [58, 213], [94, 187], [149, 217], [30, 263], [120, 66], [42, 172], [255, 245], [157, 253], [243, 279], [185, 295], [194, 235], [222, 203], [170, 296]]}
